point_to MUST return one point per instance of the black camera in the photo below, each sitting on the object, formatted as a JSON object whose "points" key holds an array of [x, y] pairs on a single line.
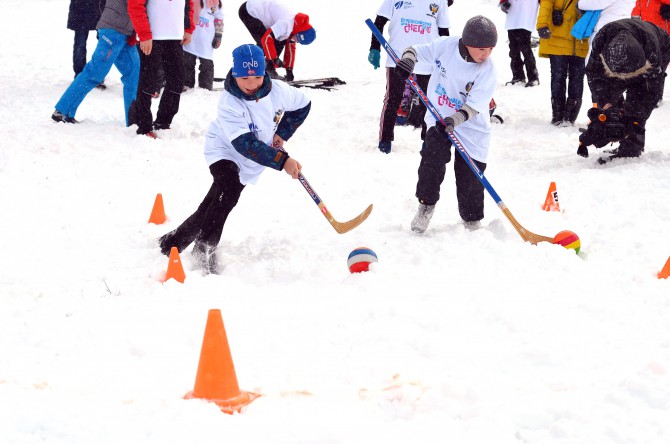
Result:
{"points": [[557, 17]]}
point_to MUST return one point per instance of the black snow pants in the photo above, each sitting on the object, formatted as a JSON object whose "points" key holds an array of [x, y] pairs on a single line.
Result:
{"points": [[170, 54], [395, 87], [435, 155], [206, 224], [519, 45]]}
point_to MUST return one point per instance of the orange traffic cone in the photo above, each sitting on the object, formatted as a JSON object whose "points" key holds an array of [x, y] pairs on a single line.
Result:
{"points": [[665, 272], [174, 269], [158, 212], [551, 202], [216, 380]]}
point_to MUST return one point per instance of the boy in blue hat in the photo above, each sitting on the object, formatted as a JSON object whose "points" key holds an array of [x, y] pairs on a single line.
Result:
{"points": [[274, 27], [255, 116]]}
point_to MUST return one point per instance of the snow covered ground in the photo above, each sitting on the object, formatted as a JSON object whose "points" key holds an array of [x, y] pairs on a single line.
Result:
{"points": [[452, 337]]}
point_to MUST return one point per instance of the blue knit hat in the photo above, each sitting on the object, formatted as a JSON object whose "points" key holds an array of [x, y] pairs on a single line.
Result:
{"points": [[304, 32], [306, 37], [248, 61]]}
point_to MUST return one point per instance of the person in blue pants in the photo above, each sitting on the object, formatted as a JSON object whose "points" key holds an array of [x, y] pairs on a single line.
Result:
{"points": [[116, 40]]}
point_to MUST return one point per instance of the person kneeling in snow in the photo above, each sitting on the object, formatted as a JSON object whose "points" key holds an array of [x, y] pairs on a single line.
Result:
{"points": [[461, 87], [256, 115], [274, 27], [627, 56]]}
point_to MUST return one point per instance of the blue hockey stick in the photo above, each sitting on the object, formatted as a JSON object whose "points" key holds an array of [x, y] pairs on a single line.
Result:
{"points": [[525, 234]]}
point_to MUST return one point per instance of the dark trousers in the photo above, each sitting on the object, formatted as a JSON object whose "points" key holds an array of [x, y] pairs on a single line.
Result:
{"points": [[171, 55], [206, 224], [519, 45], [79, 50], [567, 70], [435, 155], [395, 87], [205, 73], [257, 28]]}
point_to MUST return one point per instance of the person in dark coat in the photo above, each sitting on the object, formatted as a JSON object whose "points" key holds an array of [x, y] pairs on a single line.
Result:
{"points": [[83, 18], [627, 56]]}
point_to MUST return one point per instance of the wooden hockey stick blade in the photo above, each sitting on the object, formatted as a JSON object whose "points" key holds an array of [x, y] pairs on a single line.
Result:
{"points": [[343, 227], [526, 235]]}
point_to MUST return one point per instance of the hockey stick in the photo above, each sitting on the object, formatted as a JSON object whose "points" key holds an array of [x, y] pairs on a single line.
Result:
{"points": [[340, 227], [525, 234]]}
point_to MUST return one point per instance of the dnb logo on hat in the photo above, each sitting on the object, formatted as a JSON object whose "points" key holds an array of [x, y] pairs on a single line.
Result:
{"points": [[248, 61]]}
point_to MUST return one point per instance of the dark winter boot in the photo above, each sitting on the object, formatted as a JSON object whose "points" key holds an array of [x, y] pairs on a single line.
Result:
{"points": [[572, 107], [533, 78], [557, 110]]}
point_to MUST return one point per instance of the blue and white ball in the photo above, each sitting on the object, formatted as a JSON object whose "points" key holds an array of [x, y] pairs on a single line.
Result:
{"points": [[359, 260]]}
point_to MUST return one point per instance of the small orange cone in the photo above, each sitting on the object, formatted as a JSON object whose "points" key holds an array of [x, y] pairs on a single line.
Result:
{"points": [[174, 269], [665, 272], [216, 380], [158, 212], [551, 202]]}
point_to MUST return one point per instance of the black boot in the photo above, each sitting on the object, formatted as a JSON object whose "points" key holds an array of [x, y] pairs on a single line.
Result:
{"points": [[557, 110], [572, 107]]}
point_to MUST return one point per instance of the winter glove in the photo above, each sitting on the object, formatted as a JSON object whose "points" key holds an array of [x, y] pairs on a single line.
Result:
{"points": [[446, 128], [289, 75], [373, 57], [544, 33], [450, 2], [505, 6], [217, 41], [665, 12], [404, 68]]}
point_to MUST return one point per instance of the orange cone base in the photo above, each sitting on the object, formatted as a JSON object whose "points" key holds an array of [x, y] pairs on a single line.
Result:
{"points": [[232, 405]]}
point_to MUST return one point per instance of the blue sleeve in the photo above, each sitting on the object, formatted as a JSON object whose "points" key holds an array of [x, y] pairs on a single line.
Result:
{"points": [[252, 148], [291, 121]]}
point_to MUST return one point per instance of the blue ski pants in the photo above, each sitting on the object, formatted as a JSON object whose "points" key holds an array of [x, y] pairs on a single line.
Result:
{"points": [[112, 49]]}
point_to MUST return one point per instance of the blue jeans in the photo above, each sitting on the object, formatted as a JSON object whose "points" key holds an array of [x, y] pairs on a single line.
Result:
{"points": [[112, 49], [568, 69], [79, 50]]}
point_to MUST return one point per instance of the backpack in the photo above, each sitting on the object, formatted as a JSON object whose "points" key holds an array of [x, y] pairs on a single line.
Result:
{"points": [[584, 26]]}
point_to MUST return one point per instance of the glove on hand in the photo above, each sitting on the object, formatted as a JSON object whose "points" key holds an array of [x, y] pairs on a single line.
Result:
{"points": [[217, 41], [404, 68], [289, 75], [505, 6], [665, 12], [446, 128], [278, 63], [544, 33], [450, 2], [373, 57]]}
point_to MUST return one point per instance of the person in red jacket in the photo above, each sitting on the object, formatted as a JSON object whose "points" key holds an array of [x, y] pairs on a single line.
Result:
{"points": [[274, 27], [162, 26], [654, 11]]}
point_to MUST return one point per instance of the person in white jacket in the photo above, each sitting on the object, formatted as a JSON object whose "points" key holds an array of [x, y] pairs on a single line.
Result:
{"points": [[256, 115], [612, 10], [520, 23]]}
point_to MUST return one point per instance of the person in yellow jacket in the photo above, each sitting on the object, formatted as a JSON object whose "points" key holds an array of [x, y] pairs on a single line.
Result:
{"points": [[566, 58]]}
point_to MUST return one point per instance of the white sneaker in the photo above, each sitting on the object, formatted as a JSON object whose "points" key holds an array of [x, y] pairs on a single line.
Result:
{"points": [[472, 225], [422, 217]]}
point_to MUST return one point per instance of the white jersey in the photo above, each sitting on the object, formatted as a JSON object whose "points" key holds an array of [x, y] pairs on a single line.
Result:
{"points": [[522, 15], [236, 116], [413, 22], [455, 82], [274, 15], [612, 10], [166, 18], [203, 35]]}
